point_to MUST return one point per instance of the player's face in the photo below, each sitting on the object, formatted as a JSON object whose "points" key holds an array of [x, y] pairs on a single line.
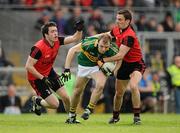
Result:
{"points": [[102, 48], [121, 22], [53, 34]]}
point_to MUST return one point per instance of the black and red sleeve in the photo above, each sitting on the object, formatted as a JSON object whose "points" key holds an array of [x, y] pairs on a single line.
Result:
{"points": [[112, 33], [35, 53], [128, 41], [61, 40]]}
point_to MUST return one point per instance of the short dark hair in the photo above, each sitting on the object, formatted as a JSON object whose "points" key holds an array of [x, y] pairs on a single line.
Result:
{"points": [[45, 27], [126, 13]]}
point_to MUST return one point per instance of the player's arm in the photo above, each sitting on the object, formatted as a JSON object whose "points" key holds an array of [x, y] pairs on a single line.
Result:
{"points": [[127, 43], [66, 75], [117, 66], [77, 35], [110, 33], [101, 34], [32, 60], [70, 55], [123, 50], [74, 38]]}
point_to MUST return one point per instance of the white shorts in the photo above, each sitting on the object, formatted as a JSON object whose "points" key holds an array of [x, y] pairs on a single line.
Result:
{"points": [[86, 71]]}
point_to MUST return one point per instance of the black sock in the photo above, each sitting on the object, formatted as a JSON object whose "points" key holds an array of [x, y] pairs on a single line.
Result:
{"points": [[136, 112], [116, 114], [90, 109]]}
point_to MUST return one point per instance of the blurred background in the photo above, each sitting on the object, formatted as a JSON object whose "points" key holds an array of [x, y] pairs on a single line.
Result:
{"points": [[157, 23]]}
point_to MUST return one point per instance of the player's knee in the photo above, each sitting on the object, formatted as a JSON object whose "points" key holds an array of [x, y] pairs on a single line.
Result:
{"points": [[99, 89], [66, 99], [100, 85], [119, 93], [134, 87], [77, 92], [55, 104]]}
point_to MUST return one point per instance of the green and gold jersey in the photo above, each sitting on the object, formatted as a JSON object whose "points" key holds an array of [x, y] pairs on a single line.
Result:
{"points": [[89, 52]]}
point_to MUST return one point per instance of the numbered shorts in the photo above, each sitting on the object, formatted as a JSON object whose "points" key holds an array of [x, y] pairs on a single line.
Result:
{"points": [[128, 67], [42, 89]]}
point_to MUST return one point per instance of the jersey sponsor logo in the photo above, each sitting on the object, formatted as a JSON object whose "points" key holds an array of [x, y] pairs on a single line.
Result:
{"points": [[47, 56], [92, 53], [90, 57]]}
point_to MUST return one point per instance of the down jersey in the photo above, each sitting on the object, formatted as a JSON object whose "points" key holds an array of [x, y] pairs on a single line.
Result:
{"points": [[128, 37], [45, 54]]}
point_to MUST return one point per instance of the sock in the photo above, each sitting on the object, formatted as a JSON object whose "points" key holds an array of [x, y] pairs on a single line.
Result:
{"points": [[136, 112], [72, 110], [91, 107], [116, 114]]}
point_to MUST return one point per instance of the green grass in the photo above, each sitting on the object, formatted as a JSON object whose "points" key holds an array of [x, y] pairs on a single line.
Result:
{"points": [[54, 123]]}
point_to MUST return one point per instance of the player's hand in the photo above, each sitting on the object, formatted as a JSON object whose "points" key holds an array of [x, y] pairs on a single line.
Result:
{"points": [[79, 25], [66, 75], [100, 61], [48, 82]]}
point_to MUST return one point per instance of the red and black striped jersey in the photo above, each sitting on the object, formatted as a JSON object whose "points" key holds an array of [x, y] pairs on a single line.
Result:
{"points": [[128, 37], [46, 55]]}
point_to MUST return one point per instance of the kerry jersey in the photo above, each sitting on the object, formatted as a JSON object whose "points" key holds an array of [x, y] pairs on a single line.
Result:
{"points": [[89, 52]]}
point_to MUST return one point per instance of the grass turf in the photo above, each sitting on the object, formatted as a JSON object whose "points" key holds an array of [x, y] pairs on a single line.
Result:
{"points": [[54, 123]]}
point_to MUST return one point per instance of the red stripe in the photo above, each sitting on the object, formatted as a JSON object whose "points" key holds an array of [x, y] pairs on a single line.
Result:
{"points": [[143, 66], [126, 41], [34, 87]]}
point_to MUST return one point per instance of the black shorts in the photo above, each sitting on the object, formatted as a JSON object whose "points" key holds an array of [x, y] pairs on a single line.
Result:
{"points": [[42, 89], [128, 67]]}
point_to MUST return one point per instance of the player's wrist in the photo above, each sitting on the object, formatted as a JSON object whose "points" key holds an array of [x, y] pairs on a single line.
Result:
{"points": [[103, 60], [100, 63], [66, 69], [79, 26], [42, 77]]}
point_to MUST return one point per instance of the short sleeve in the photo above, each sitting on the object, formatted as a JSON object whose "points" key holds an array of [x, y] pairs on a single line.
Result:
{"points": [[35, 53], [112, 34], [61, 40], [128, 41]]}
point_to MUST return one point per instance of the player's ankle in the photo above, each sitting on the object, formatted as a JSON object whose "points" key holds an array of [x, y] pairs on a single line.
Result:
{"points": [[72, 114]]}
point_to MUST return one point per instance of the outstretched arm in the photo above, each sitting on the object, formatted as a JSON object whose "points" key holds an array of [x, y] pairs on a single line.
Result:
{"points": [[101, 34], [71, 53], [77, 35], [127, 44], [74, 38], [119, 56]]}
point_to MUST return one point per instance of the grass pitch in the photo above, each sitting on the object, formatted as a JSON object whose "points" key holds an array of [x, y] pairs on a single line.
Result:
{"points": [[54, 123]]}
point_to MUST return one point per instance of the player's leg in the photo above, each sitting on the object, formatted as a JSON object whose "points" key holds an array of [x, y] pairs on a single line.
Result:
{"points": [[120, 88], [46, 99], [135, 78], [64, 97], [75, 98], [58, 87], [100, 80], [49, 102]]}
